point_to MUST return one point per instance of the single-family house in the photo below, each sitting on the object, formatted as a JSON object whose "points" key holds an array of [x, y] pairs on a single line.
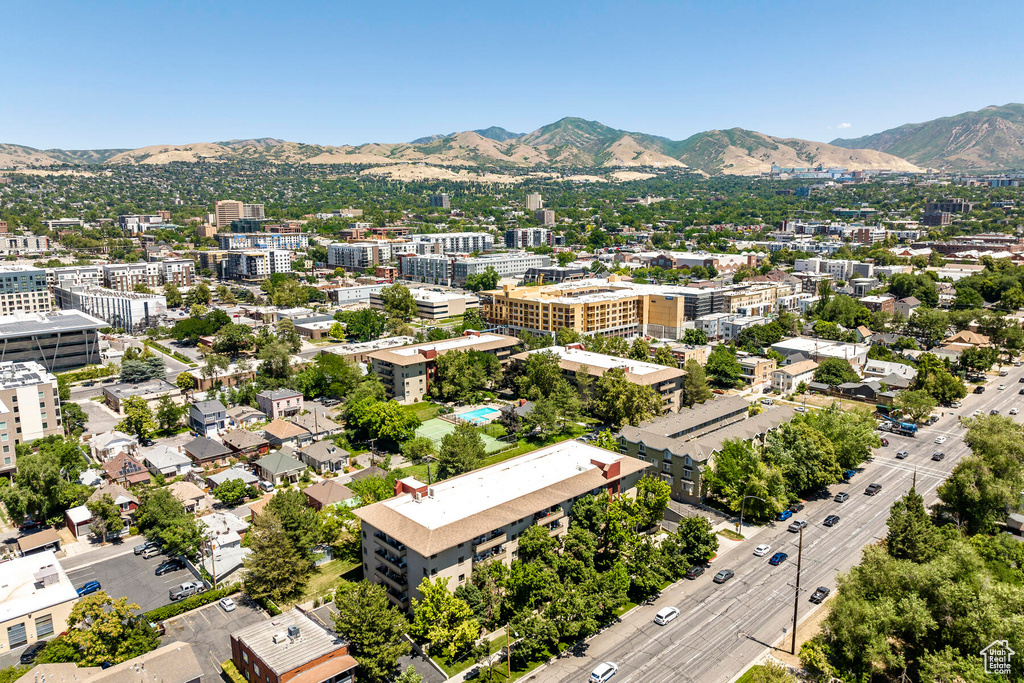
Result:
{"points": [[324, 456], [279, 467], [277, 403], [126, 470], [246, 444], [207, 418], [318, 425], [787, 378], [327, 493], [204, 451], [280, 433], [906, 306], [165, 460], [106, 445], [967, 338], [235, 472], [121, 496], [244, 416], [191, 496], [862, 334], [223, 529], [882, 368]]}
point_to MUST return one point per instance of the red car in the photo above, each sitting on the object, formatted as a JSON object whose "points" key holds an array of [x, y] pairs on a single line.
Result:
{"points": [[885, 442]]}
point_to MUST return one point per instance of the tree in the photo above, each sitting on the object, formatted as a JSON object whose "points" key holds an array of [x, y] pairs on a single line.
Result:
{"points": [[138, 420], [337, 331], [232, 492], [135, 371], [276, 360], [664, 356], [834, 371], [483, 281], [695, 337], [695, 384], [106, 517], [462, 450], [276, 569], [917, 404], [233, 339], [640, 349], [287, 334], [418, 448], [694, 541], [200, 294], [74, 417], [162, 517], [930, 325], [442, 620], [173, 295], [722, 367], [912, 536], [103, 630], [618, 401], [365, 325], [373, 628], [398, 302], [298, 520], [1012, 299], [214, 366], [46, 481], [185, 381], [461, 375], [168, 413], [225, 296]]}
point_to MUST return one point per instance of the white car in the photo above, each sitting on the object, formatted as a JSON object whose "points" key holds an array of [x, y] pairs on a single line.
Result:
{"points": [[666, 615], [976, 413], [940, 439], [1001, 387], [1013, 411], [604, 672], [227, 604], [762, 550]]}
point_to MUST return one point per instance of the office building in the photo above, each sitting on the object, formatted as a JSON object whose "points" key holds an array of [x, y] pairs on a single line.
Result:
{"points": [[29, 408], [447, 529], [36, 596], [23, 245], [151, 391], [949, 205], [406, 371], [521, 238], [534, 202], [432, 305], [262, 240], [291, 646], [23, 288], [231, 210], [666, 382], [359, 255], [64, 223], [440, 201], [556, 274], [132, 312], [457, 242], [62, 340], [254, 265], [506, 264]]}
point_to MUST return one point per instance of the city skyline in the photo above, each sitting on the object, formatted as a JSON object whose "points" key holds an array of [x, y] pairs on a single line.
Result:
{"points": [[331, 76]]}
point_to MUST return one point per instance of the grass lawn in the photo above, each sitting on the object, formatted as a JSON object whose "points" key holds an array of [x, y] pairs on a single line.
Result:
{"points": [[326, 579], [731, 535], [748, 675], [463, 664], [424, 410]]}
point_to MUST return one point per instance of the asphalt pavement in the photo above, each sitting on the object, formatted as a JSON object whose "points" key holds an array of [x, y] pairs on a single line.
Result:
{"points": [[723, 629]]}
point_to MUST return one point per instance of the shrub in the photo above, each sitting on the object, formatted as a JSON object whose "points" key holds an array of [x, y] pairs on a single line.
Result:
{"points": [[182, 606], [231, 672]]}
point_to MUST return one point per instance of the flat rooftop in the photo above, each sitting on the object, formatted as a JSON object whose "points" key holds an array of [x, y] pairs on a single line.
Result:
{"points": [[312, 642], [28, 373], [24, 590], [28, 324], [603, 361], [149, 387]]}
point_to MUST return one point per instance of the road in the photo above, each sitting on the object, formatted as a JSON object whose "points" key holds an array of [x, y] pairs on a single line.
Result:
{"points": [[723, 629]]}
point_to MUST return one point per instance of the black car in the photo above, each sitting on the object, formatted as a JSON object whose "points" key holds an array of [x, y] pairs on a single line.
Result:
{"points": [[694, 571], [831, 520], [872, 489], [938, 456], [796, 507], [820, 594], [842, 497], [723, 576], [979, 390], [168, 566], [32, 651]]}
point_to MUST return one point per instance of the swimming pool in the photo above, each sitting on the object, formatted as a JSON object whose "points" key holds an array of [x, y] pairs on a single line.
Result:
{"points": [[480, 415]]}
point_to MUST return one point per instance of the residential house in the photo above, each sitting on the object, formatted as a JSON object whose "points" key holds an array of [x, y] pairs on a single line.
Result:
{"points": [[862, 334], [246, 444], [280, 433], [882, 368], [175, 662], [234, 472], [277, 403], [324, 456], [291, 647], [327, 493], [967, 338], [244, 416], [204, 451], [79, 519], [165, 460], [191, 496], [37, 597], [223, 529], [279, 467], [126, 470], [207, 418], [787, 378], [106, 445], [885, 303], [905, 307], [318, 425]]}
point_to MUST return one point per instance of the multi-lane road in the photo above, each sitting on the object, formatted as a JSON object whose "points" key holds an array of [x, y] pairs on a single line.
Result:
{"points": [[723, 629]]}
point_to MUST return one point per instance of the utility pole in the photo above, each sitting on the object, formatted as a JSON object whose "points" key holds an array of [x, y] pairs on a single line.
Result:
{"points": [[796, 597], [508, 649]]}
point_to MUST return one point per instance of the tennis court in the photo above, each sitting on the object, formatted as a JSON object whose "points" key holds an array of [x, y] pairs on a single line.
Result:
{"points": [[436, 429]]}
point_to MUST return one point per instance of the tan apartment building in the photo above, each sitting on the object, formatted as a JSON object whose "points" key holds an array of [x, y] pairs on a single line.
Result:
{"points": [[227, 210], [665, 381], [407, 371], [755, 370], [36, 597], [447, 529], [29, 408]]}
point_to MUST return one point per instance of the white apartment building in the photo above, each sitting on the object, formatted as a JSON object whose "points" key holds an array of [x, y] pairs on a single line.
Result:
{"points": [[139, 223], [66, 276], [458, 242], [29, 408], [23, 245], [840, 269], [731, 327], [433, 268], [534, 202], [255, 264], [129, 311], [507, 264], [359, 255]]}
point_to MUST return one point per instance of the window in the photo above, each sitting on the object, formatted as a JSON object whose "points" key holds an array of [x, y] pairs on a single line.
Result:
{"points": [[44, 626], [666, 467], [256, 668], [461, 559], [7, 449], [462, 577]]}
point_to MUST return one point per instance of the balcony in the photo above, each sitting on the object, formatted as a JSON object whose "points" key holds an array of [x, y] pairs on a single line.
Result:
{"points": [[546, 517], [399, 582], [396, 562], [398, 596], [492, 554], [488, 541], [555, 527], [382, 538]]}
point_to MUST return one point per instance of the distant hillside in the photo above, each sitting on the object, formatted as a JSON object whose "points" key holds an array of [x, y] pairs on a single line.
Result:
{"points": [[569, 142], [989, 139]]}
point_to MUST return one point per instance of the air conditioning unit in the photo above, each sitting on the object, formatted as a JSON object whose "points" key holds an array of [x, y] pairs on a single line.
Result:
{"points": [[280, 638]]}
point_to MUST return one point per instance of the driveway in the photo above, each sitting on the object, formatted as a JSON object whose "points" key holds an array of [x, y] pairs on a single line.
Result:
{"points": [[208, 631], [130, 576]]}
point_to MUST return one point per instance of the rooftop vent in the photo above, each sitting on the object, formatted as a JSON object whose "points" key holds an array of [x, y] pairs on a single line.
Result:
{"points": [[280, 638], [293, 631]]}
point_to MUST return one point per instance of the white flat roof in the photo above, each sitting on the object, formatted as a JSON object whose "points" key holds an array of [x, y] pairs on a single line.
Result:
{"points": [[449, 344], [600, 360], [461, 498], [21, 594]]}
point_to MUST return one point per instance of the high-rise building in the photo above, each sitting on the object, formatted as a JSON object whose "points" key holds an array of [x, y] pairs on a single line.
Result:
{"points": [[228, 210], [23, 288], [440, 201], [521, 238], [534, 202], [544, 216], [29, 408], [130, 311]]}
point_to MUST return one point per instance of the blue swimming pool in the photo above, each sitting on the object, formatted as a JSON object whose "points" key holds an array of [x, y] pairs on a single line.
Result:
{"points": [[480, 415]]}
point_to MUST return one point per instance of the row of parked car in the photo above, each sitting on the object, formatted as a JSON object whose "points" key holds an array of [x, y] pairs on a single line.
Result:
{"points": [[172, 564]]}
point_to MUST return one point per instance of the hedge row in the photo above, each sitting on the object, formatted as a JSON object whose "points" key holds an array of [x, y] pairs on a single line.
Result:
{"points": [[163, 349], [231, 671], [182, 606]]}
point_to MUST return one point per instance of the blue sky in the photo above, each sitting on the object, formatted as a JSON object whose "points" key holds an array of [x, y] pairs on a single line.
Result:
{"points": [[126, 74]]}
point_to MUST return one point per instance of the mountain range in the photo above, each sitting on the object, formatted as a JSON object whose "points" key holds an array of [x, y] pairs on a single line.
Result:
{"points": [[992, 138]]}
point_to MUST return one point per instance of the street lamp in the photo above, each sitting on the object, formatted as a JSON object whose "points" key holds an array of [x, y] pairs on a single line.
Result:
{"points": [[742, 505]]}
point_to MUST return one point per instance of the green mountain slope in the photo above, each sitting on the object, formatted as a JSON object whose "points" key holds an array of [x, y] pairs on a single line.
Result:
{"points": [[991, 138]]}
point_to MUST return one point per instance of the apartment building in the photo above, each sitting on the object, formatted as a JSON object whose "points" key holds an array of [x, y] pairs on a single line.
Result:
{"points": [[178, 271], [883, 302], [457, 242], [37, 597], [23, 245], [359, 255], [29, 408], [682, 445], [229, 210], [139, 223], [64, 223], [665, 381], [534, 202], [66, 276], [839, 269], [787, 378], [521, 238], [722, 263], [544, 216], [62, 340], [291, 646], [433, 268], [754, 300], [507, 264], [556, 274], [406, 371], [432, 305], [447, 529], [731, 326], [132, 312], [124, 277], [254, 265], [23, 288], [949, 205], [262, 240], [440, 201], [755, 370]]}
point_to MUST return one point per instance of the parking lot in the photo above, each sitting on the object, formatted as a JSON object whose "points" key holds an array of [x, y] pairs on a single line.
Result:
{"points": [[131, 576], [208, 630]]}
